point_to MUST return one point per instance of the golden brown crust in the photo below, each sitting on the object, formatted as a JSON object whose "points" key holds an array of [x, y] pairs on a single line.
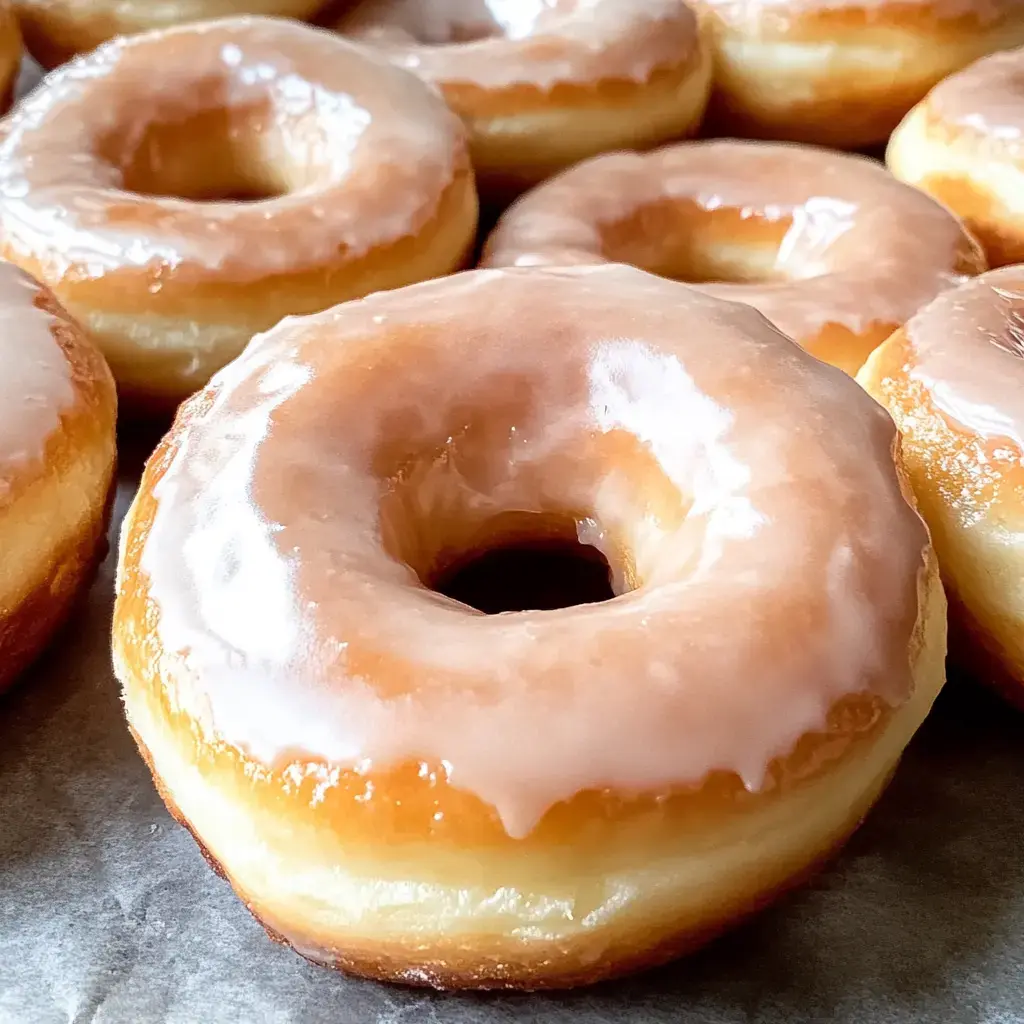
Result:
{"points": [[74, 477], [26, 630], [961, 480], [853, 97], [508, 969]]}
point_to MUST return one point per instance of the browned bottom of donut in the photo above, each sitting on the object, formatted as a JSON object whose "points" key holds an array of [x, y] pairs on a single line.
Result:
{"points": [[26, 629]]}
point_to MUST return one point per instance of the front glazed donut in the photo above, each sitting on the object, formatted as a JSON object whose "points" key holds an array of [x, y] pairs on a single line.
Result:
{"points": [[953, 380], [541, 86], [830, 247], [962, 144], [402, 786], [56, 30], [57, 413], [119, 175], [842, 72]]}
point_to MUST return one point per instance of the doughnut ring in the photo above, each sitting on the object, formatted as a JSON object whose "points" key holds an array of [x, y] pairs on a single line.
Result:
{"points": [[952, 381], [57, 30], [828, 246], [543, 88], [961, 144], [400, 785], [57, 453], [120, 178], [841, 72]]}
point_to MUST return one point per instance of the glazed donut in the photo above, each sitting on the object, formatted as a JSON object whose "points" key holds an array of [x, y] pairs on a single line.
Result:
{"points": [[402, 786], [841, 72], [57, 30], [952, 380], [962, 144], [112, 175], [830, 247], [542, 88], [57, 454]]}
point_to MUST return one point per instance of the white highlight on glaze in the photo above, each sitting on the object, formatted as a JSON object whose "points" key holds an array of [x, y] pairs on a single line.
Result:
{"points": [[35, 376], [968, 350], [777, 525]]}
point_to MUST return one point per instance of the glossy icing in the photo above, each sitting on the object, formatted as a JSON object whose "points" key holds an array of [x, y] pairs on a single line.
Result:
{"points": [[503, 43], [987, 97], [35, 381], [857, 246], [361, 150], [967, 349], [343, 453]]}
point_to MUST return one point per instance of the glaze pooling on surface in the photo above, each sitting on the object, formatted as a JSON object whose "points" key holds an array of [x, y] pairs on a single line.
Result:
{"points": [[857, 247], [987, 97], [327, 469], [504, 43], [356, 153], [35, 375], [967, 348]]}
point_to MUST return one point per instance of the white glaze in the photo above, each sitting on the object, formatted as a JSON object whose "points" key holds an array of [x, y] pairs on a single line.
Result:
{"points": [[537, 43]]}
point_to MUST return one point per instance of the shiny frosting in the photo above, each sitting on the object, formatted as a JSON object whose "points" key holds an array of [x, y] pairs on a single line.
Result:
{"points": [[504, 43], [967, 349], [362, 149], [987, 97], [859, 248], [751, 488], [35, 380]]}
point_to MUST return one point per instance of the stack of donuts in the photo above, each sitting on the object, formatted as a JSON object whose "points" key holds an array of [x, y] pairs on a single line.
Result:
{"points": [[765, 386]]}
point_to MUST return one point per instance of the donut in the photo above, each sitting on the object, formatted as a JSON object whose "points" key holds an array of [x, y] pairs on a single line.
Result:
{"points": [[181, 191], [952, 380], [962, 144], [828, 246], [841, 72], [57, 30], [10, 54], [57, 451], [545, 86], [400, 785]]}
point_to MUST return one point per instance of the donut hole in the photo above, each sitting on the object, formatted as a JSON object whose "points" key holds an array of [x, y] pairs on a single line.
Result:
{"points": [[539, 575], [229, 152], [694, 244]]}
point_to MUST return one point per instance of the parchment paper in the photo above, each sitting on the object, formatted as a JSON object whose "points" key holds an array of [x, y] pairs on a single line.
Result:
{"points": [[109, 914]]}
